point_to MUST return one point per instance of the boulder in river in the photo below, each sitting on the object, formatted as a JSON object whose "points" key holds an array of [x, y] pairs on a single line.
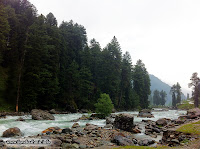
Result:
{"points": [[124, 121], [2, 115], [145, 113], [20, 119], [12, 132], [75, 125], [38, 114], [109, 120]]}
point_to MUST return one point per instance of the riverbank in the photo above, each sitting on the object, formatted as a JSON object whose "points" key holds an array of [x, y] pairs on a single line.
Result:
{"points": [[101, 136]]}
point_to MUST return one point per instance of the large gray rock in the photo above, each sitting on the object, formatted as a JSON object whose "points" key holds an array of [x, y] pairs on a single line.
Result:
{"points": [[41, 115], [122, 141], [12, 132], [124, 121], [161, 122], [109, 120], [145, 113]]}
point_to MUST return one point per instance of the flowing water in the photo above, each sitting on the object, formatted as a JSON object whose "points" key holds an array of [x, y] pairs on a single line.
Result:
{"points": [[33, 127]]}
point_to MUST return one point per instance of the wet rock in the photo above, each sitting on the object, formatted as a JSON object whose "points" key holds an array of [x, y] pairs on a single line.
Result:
{"points": [[135, 130], [75, 125], [53, 111], [145, 113], [109, 120], [20, 119], [2, 115], [12, 132], [84, 111], [66, 130], [41, 115], [124, 122], [83, 117], [52, 129]]}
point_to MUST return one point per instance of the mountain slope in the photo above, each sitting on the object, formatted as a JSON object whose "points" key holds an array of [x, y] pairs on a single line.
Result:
{"points": [[157, 84]]}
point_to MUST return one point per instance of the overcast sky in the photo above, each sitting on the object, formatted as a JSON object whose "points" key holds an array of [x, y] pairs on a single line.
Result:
{"points": [[164, 34]]}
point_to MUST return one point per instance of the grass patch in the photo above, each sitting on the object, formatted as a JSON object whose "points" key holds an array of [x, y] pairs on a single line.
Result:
{"points": [[185, 105], [193, 128], [197, 122]]}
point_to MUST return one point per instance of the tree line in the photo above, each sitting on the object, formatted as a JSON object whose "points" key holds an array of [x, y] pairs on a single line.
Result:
{"points": [[46, 65]]}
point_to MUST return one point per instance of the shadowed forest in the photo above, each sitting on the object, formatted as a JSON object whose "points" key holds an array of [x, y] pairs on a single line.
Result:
{"points": [[46, 65]]}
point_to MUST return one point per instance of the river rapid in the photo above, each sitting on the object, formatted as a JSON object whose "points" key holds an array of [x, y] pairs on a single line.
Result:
{"points": [[31, 127]]}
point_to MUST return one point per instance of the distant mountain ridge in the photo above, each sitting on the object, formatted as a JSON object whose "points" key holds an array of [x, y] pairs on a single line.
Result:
{"points": [[157, 84]]}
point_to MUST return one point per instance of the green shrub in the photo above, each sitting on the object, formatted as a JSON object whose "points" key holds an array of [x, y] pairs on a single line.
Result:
{"points": [[104, 105]]}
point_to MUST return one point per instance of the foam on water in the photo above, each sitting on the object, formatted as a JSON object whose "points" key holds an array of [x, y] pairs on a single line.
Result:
{"points": [[33, 127]]}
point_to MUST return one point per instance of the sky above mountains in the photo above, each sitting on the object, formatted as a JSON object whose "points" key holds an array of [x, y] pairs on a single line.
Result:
{"points": [[164, 34]]}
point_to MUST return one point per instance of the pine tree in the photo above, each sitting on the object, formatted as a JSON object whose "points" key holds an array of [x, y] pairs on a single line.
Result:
{"points": [[178, 91], [163, 96], [141, 83], [173, 92], [156, 97], [111, 70]]}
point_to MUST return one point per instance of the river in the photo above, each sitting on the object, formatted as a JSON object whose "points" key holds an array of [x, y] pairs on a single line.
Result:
{"points": [[33, 127]]}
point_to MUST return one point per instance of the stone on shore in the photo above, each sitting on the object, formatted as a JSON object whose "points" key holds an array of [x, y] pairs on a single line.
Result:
{"points": [[124, 121], [193, 113], [161, 122], [12, 132], [38, 114]]}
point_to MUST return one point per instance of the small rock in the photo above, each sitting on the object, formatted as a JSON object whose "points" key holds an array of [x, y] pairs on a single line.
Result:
{"points": [[20, 119], [53, 111], [82, 146], [66, 130], [135, 130], [175, 140], [56, 142], [75, 125]]}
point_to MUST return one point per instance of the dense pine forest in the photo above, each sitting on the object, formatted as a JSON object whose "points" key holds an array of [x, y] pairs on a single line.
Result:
{"points": [[45, 65]]}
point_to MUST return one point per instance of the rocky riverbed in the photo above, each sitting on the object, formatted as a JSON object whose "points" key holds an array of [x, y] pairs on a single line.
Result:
{"points": [[116, 130]]}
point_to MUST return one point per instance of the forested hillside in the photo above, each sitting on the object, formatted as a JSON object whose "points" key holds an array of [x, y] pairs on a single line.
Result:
{"points": [[43, 65]]}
